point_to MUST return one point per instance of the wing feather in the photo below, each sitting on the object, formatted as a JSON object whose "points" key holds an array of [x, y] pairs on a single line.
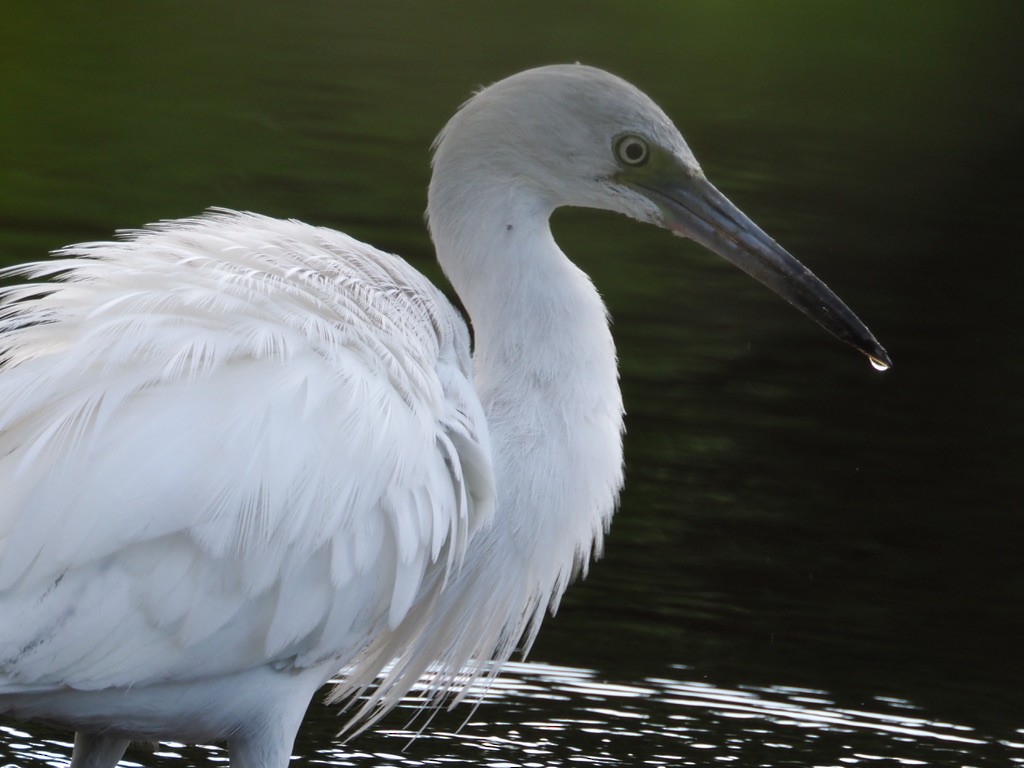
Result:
{"points": [[226, 442]]}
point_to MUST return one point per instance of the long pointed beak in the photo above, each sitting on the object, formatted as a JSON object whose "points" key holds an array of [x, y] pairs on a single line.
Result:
{"points": [[695, 209]]}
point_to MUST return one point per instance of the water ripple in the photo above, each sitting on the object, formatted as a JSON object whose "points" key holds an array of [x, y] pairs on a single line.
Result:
{"points": [[541, 716]]}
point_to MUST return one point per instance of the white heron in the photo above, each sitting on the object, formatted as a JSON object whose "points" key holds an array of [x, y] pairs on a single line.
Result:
{"points": [[240, 454]]}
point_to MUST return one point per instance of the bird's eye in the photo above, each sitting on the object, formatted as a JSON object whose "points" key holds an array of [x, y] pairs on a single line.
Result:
{"points": [[632, 150]]}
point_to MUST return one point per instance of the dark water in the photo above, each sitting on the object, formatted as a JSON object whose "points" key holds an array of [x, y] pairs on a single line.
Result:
{"points": [[814, 564]]}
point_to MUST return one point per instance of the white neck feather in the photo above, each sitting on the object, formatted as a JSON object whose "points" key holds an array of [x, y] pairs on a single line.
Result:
{"points": [[547, 377]]}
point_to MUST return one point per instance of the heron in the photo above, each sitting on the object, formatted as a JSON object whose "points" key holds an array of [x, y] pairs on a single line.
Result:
{"points": [[242, 455]]}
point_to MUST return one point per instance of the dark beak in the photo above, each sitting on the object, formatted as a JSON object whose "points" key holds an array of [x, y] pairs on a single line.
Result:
{"points": [[695, 209]]}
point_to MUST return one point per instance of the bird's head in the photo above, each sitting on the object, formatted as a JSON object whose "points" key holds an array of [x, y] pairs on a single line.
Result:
{"points": [[572, 135]]}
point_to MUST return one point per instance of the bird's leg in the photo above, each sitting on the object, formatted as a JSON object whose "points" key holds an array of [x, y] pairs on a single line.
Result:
{"points": [[269, 746], [260, 752], [95, 751]]}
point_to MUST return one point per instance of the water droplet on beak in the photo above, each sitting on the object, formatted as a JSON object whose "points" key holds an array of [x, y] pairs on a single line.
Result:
{"points": [[877, 364]]}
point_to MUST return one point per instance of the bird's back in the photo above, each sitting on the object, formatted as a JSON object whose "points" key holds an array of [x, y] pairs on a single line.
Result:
{"points": [[227, 443]]}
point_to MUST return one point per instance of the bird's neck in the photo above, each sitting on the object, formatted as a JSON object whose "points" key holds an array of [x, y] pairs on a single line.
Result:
{"points": [[547, 377]]}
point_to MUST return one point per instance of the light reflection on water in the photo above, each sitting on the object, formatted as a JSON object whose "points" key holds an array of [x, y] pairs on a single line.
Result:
{"points": [[539, 715]]}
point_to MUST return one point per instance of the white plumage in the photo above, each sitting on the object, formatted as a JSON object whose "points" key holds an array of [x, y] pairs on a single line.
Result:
{"points": [[238, 454]]}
